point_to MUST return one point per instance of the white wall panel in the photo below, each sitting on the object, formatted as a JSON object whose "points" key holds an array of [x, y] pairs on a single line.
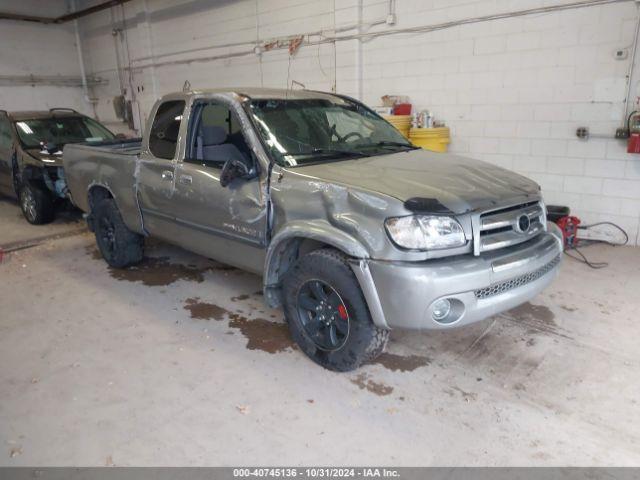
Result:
{"points": [[38, 50], [513, 90]]}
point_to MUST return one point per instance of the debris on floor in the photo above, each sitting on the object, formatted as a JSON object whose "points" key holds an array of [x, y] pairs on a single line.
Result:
{"points": [[243, 409]]}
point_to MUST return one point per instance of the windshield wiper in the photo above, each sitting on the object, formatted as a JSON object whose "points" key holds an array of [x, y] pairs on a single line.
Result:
{"points": [[329, 151], [386, 143]]}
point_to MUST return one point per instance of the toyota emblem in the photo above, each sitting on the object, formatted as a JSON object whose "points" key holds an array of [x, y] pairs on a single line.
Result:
{"points": [[523, 223]]}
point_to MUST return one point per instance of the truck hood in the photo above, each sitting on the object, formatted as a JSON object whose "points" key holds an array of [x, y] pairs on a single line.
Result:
{"points": [[42, 158], [456, 183]]}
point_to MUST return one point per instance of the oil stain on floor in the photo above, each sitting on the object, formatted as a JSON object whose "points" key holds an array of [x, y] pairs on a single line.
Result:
{"points": [[537, 318], [261, 334], [159, 271], [363, 382], [274, 337], [401, 363], [204, 311]]}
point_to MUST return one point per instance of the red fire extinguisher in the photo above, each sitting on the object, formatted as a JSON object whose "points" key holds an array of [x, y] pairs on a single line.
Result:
{"points": [[633, 125]]}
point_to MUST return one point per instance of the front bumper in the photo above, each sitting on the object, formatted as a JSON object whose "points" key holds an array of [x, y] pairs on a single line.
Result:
{"points": [[402, 294]]}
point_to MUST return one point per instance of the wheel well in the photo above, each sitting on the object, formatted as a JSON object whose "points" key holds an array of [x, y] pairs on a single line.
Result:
{"points": [[97, 193], [283, 258]]}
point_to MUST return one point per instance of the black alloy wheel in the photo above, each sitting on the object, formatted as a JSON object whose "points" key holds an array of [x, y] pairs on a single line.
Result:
{"points": [[29, 205], [323, 315]]}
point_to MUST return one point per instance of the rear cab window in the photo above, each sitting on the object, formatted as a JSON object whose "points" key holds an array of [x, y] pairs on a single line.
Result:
{"points": [[163, 137]]}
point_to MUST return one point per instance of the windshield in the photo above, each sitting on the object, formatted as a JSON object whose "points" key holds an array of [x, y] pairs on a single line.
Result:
{"points": [[60, 131], [299, 132]]}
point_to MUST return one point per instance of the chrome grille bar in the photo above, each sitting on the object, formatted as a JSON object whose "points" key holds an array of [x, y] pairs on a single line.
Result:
{"points": [[500, 228]]}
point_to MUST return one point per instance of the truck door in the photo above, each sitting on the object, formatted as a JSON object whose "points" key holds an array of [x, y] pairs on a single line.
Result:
{"points": [[224, 223], [156, 174], [6, 153]]}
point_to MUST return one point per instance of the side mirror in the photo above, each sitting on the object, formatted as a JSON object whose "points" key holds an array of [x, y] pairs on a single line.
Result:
{"points": [[232, 170], [121, 136]]}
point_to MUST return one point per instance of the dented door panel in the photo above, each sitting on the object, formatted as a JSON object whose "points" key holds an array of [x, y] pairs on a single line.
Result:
{"points": [[155, 188], [218, 221]]}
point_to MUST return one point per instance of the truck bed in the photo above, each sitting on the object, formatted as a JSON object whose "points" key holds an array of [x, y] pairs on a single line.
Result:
{"points": [[109, 165], [130, 146]]}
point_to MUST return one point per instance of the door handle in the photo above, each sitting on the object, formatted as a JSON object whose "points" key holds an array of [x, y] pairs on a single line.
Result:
{"points": [[186, 179], [167, 175]]}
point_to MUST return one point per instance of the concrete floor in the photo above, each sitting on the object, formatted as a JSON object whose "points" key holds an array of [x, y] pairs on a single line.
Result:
{"points": [[178, 362], [15, 231]]}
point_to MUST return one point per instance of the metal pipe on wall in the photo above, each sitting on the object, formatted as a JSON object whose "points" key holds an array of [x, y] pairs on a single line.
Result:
{"points": [[63, 18], [376, 34], [50, 80], [83, 73], [359, 53], [632, 62]]}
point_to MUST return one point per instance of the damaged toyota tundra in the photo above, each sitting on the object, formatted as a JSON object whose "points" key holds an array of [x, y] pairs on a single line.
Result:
{"points": [[353, 229]]}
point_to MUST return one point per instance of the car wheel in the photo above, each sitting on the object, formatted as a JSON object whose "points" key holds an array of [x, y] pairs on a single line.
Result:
{"points": [[36, 204], [327, 314], [119, 246]]}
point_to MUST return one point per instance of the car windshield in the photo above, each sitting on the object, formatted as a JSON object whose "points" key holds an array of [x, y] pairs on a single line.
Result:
{"points": [[60, 131], [299, 132]]}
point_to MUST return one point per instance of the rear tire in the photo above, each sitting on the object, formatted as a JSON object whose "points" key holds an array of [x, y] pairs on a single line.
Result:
{"points": [[327, 314], [119, 246], [36, 204]]}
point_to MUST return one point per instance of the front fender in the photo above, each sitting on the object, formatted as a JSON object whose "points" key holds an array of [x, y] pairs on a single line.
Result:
{"points": [[318, 230]]}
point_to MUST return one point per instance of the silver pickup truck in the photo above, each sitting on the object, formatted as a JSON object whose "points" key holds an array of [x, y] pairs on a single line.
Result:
{"points": [[354, 230]]}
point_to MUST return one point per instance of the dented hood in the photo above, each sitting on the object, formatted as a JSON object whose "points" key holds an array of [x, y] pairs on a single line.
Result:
{"points": [[459, 184]]}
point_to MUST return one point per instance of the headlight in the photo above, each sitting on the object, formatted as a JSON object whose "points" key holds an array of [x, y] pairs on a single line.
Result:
{"points": [[425, 232]]}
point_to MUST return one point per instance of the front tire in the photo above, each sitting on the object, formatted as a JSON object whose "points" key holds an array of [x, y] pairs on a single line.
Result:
{"points": [[327, 314], [36, 204], [119, 246]]}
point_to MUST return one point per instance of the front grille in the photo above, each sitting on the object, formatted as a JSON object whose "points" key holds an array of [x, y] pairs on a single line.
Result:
{"points": [[501, 228], [502, 287]]}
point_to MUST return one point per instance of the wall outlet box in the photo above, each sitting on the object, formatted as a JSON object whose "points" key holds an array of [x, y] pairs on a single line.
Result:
{"points": [[583, 133], [391, 19], [621, 54], [622, 133]]}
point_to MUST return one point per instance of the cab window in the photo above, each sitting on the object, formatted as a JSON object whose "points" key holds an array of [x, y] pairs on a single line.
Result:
{"points": [[217, 136], [163, 138]]}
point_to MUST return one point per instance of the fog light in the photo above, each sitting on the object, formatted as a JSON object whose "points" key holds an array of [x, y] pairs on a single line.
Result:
{"points": [[441, 309]]}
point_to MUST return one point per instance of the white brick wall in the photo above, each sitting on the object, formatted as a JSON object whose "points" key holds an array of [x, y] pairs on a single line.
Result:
{"points": [[522, 86], [34, 49], [513, 90]]}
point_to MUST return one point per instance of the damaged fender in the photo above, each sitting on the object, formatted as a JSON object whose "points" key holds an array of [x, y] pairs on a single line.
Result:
{"points": [[283, 249]]}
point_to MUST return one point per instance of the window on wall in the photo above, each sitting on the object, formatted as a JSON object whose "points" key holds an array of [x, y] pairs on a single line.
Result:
{"points": [[163, 138]]}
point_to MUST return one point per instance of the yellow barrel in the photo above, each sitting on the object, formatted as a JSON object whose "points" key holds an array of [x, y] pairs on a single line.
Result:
{"points": [[401, 122], [434, 139]]}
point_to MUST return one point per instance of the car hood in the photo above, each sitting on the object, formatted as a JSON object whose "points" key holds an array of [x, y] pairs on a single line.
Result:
{"points": [[43, 158], [457, 183]]}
